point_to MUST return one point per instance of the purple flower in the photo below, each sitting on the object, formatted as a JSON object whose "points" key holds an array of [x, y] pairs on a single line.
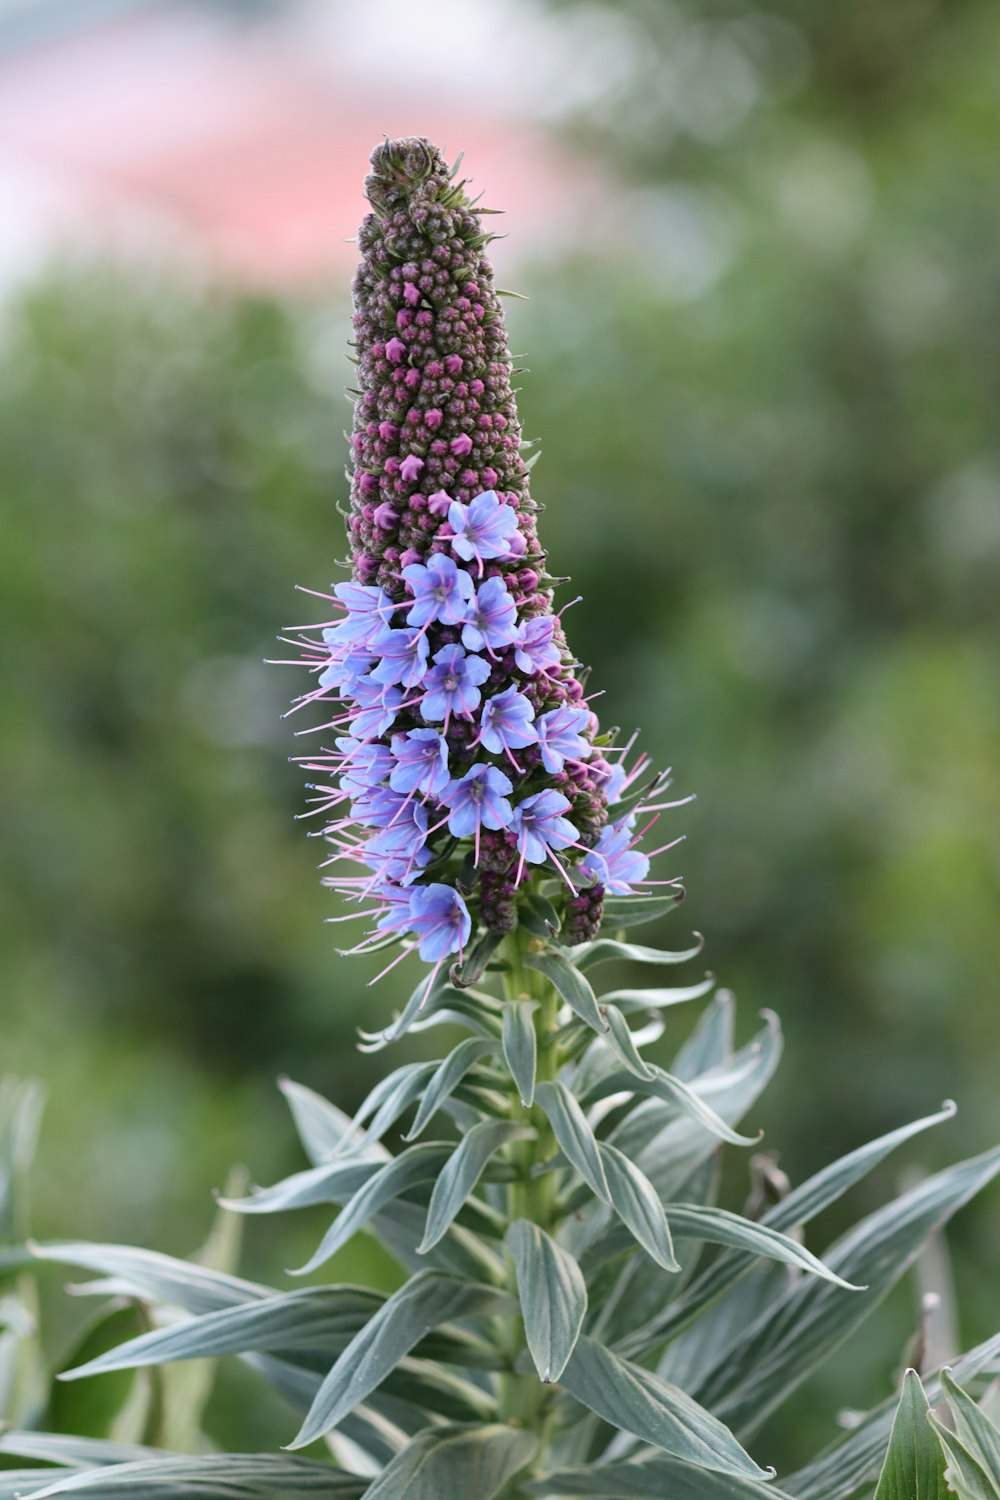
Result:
{"points": [[363, 765], [400, 850], [491, 621], [452, 685], [377, 711], [539, 827], [506, 723], [347, 667], [441, 591], [441, 921], [409, 469], [612, 862], [403, 657], [478, 798], [421, 762], [560, 736], [483, 528], [535, 650], [368, 609]]}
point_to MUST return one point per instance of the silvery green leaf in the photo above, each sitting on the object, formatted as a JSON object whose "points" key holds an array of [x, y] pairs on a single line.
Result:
{"points": [[416, 1165], [426, 1301], [634, 1199], [157, 1278], [718, 1226], [653, 1411], [18, 1483], [334, 1181], [974, 1429], [553, 1297], [854, 1458], [914, 1463], [801, 1205], [652, 1478], [215, 1476], [619, 1038], [456, 1461], [680, 1096], [539, 916], [520, 1046], [385, 1105], [576, 1139], [632, 911], [570, 984], [967, 1479], [70, 1450], [445, 1077], [711, 1042], [659, 999], [814, 1318], [462, 1171], [602, 950]]}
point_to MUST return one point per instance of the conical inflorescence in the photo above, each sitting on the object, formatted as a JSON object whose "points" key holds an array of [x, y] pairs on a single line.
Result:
{"points": [[467, 774]]}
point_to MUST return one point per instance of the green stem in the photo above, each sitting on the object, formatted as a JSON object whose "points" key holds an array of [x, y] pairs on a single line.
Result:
{"points": [[524, 1400]]}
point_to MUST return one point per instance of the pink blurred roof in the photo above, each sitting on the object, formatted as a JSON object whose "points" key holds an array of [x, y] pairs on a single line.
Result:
{"points": [[240, 148]]}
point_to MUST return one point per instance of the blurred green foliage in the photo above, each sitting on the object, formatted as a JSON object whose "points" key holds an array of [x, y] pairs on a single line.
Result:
{"points": [[762, 388]]}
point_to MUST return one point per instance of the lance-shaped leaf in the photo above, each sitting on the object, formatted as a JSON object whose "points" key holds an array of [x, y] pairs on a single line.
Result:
{"points": [[652, 1410], [425, 1302], [718, 1226], [385, 1104], [603, 950], [973, 1429], [671, 1090], [455, 1461], [570, 985], [813, 1318], [157, 1278], [652, 1478], [576, 1139], [416, 1165], [321, 1126], [801, 1205], [658, 999], [215, 1476], [445, 1079], [914, 1463], [855, 1458], [70, 1451], [520, 1046], [553, 1297], [462, 1171], [634, 1199], [632, 911], [620, 1039], [967, 1479], [332, 1182]]}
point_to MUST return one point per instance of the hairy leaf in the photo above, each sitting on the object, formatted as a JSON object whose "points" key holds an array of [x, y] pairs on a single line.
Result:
{"points": [[520, 1046], [602, 950], [571, 985], [463, 1170], [576, 1139], [634, 1199], [914, 1463], [321, 1125], [459, 1462], [215, 1476], [620, 1039], [553, 1297], [719, 1227], [652, 1478], [445, 1078], [659, 999]]}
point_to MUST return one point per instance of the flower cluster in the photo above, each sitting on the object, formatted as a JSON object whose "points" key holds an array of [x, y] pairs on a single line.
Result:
{"points": [[467, 763]]}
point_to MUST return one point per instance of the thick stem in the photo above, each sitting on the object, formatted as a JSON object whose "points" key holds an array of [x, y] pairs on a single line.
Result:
{"points": [[524, 1399]]}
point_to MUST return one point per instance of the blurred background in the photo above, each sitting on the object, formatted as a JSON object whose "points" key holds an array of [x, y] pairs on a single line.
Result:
{"points": [[757, 240]]}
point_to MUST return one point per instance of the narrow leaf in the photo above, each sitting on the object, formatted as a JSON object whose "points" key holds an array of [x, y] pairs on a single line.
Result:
{"points": [[462, 1171], [719, 1227], [553, 1297], [632, 911], [321, 1125], [468, 1462], [520, 1046], [575, 1137], [620, 1040], [658, 999], [974, 1428], [652, 1478], [681, 1096], [914, 1463], [642, 1404], [634, 1199], [426, 1301], [445, 1079], [603, 950], [570, 984], [215, 1476]]}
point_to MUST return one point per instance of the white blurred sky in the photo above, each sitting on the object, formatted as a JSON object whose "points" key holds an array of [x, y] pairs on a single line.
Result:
{"points": [[235, 137]]}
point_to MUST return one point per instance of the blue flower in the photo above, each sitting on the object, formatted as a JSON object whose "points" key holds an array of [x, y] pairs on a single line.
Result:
{"points": [[535, 648], [560, 736], [452, 684], [612, 862], [349, 664], [441, 921], [539, 827], [483, 528], [478, 798], [506, 723], [378, 709], [404, 656], [421, 762], [368, 609], [441, 591], [491, 620]]}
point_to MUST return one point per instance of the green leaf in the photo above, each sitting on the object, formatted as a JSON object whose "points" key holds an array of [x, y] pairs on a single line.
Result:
{"points": [[539, 916], [634, 1199], [619, 1038], [553, 1297], [90, 1410], [603, 950], [570, 984], [974, 1427], [652, 1478], [462, 1171], [914, 1463], [520, 1046], [332, 1182], [468, 1462], [158, 1278], [321, 1125], [672, 1091], [576, 1139], [660, 999], [236, 1476], [719, 1227], [70, 1450], [445, 1079], [426, 1301], [967, 1478], [642, 1404], [814, 1318], [405, 1085], [632, 911]]}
